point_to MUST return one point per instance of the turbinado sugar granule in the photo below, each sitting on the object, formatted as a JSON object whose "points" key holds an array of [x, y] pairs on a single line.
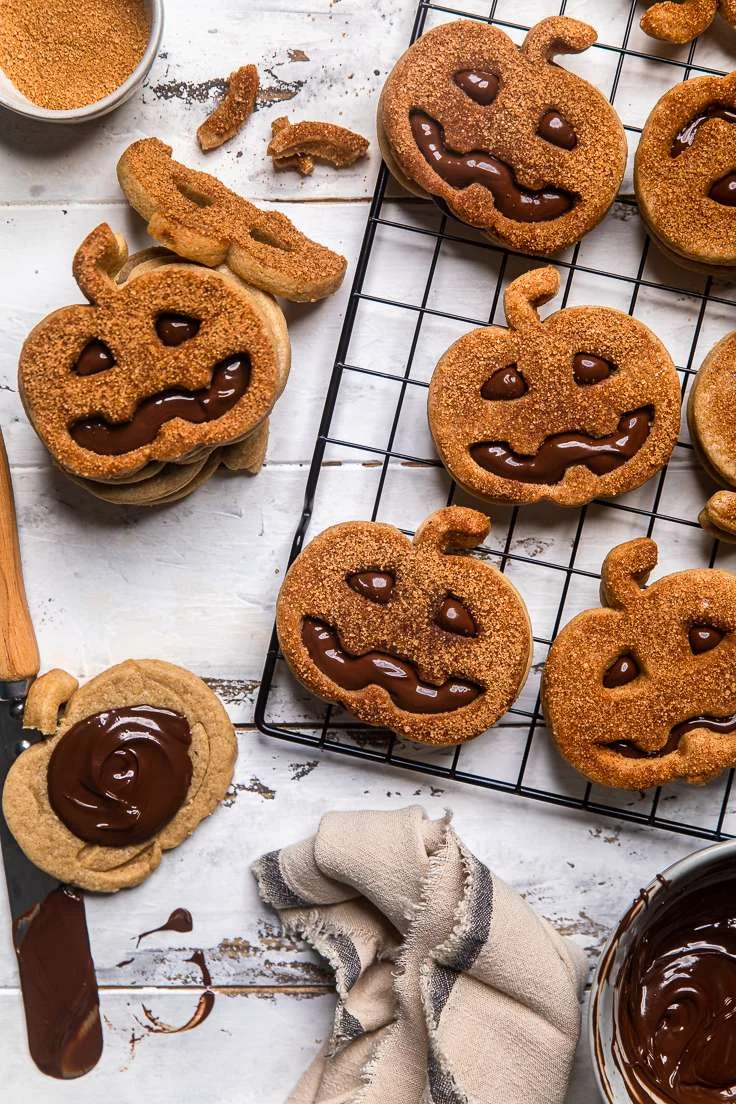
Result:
{"points": [[63, 54]]}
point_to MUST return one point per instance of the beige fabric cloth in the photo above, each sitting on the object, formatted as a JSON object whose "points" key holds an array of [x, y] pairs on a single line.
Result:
{"points": [[451, 990]]}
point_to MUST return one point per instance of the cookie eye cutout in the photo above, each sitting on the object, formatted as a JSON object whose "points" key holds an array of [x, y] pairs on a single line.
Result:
{"points": [[174, 329], [376, 586], [186, 191], [505, 383], [724, 190], [480, 85], [454, 617], [622, 671], [704, 638], [95, 357], [685, 137], [555, 129], [588, 369]]}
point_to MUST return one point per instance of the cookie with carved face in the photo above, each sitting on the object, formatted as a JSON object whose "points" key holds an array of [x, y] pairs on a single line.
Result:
{"points": [[121, 770], [169, 362], [685, 174], [404, 634], [643, 691], [680, 21], [582, 405], [711, 416], [502, 137], [196, 216]]}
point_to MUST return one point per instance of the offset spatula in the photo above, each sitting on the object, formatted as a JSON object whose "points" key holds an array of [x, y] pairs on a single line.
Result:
{"points": [[57, 975]]}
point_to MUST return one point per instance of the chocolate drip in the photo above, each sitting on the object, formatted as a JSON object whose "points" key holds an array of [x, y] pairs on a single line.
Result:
{"points": [[377, 586], [703, 638], [175, 329], [630, 750], [557, 454], [687, 135], [59, 985], [116, 778], [205, 1004], [230, 380], [676, 998], [460, 170], [95, 357], [397, 676], [554, 128], [480, 85], [589, 368], [180, 920], [452, 616], [505, 383], [623, 670], [724, 190]]}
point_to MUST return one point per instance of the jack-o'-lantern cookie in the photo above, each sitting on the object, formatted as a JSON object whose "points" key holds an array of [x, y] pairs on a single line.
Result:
{"points": [[501, 136], [169, 363], [405, 635], [130, 764], [196, 216], [711, 415], [643, 691], [685, 174], [680, 21], [582, 405]]}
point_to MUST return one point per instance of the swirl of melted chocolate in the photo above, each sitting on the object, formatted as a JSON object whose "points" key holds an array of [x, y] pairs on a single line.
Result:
{"points": [[174, 329], [230, 379], [479, 84], [95, 357], [630, 750], [554, 128], [703, 638], [676, 992], [460, 170], [589, 368], [562, 451], [505, 383], [118, 777], [685, 137], [377, 586], [452, 616], [397, 676], [622, 671]]}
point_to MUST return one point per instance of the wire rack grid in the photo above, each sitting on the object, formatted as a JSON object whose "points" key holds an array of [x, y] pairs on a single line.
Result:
{"points": [[382, 466]]}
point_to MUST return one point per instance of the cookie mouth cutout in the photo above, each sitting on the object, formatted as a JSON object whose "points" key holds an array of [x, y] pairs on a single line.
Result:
{"points": [[397, 676], [230, 380], [483, 167], [562, 451], [630, 750]]}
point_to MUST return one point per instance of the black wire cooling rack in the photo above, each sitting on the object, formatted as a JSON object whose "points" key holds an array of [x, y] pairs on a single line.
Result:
{"points": [[517, 757]]}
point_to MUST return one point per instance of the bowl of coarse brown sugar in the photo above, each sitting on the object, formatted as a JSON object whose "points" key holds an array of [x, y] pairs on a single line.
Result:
{"points": [[67, 61]]}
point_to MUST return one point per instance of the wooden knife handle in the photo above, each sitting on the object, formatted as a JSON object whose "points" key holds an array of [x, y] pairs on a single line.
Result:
{"points": [[19, 657]]}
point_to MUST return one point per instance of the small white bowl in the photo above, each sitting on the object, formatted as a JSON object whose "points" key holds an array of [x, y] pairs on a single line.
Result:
{"points": [[14, 100], [603, 996]]}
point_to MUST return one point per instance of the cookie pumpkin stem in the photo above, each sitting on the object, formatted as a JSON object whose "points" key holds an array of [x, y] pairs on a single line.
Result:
{"points": [[97, 262], [681, 22], [527, 293], [557, 35], [45, 698], [625, 571], [453, 527]]}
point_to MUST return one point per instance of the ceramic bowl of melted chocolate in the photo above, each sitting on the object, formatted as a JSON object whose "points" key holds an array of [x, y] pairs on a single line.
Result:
{"points": [[663, 1004]]}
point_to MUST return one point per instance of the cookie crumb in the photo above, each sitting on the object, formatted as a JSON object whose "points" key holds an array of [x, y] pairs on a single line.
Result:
{"points": [[233, 111], [296, 145]]}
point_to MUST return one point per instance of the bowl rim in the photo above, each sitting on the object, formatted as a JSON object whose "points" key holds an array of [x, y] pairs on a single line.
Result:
{"points": [[661, 883], [29, 110]]}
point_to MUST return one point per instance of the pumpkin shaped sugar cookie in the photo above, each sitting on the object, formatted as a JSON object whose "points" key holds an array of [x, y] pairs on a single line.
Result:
{"points": [[404, 634], [685, 174], [502, 137], [680, 21], [582, 405], [130, 764], [643, 691], [711, 416], [169, 362]]}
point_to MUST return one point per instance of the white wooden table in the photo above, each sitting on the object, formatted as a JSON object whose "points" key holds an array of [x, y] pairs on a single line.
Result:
{"points": [[196, 583]]}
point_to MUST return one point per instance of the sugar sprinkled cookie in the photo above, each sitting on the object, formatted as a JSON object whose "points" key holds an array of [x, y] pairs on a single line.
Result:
{"points": [[643, 691], [501, 136], [680, 21], [582, 405], [131, 763], [711, 416], [404, 634], [685, 174]]}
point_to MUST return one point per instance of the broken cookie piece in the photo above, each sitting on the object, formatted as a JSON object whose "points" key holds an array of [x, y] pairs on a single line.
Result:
{"points": [[233, 111], [297, 145]]}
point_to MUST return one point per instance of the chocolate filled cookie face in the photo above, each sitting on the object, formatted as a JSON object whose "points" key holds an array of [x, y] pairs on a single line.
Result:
{"points": [[404, 634], [685, 173], [583, 405], [711, 415], [171, 360], [500, 136], [643, 691]]}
